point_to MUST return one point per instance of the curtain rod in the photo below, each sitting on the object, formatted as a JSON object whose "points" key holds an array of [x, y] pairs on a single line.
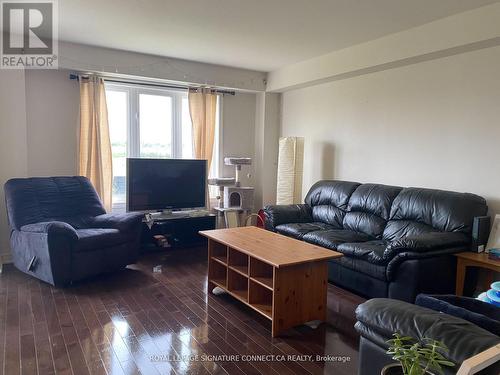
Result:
{"points": [[149, 84]]}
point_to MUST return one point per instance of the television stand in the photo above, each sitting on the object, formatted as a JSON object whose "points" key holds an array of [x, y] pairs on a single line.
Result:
{"points": [[180, 228], [169, 214]]}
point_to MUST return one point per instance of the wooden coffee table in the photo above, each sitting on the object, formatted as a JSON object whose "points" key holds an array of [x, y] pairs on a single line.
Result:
{"points": [[283, 279]]}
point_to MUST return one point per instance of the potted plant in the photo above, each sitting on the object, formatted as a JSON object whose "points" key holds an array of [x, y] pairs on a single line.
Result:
{"points": [[415, 358]]}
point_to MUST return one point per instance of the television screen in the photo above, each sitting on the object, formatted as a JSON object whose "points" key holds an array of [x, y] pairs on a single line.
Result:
{"points": [[157, 184]]}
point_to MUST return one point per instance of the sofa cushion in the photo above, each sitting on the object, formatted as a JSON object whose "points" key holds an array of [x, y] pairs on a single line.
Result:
{"points": [[369, 208], [298, 230], [331, 238], [397, 229], [427, 242], [329, 200], [371, 251], [94, 239], [417, 210]]}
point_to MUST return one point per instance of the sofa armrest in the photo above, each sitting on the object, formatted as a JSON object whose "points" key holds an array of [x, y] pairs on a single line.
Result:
{"points": [[443, 257], [124, 222], [426, 242], [284, 214], [57, 228], [45, 250], [379, 318]]}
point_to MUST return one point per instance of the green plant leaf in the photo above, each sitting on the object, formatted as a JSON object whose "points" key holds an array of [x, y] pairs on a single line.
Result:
{"points": [[416, 357]]}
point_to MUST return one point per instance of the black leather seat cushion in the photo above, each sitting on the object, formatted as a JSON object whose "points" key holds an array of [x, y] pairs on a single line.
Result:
{"points": [[371, 251], [298, 230], [92, 239], [331, 238]]}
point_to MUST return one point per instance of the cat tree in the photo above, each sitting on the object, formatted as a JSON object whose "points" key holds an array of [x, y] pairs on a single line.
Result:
{"points": [[233, 196]]}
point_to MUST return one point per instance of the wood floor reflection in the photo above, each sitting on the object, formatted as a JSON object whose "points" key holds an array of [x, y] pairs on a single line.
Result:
{"points": [[140, 322]]}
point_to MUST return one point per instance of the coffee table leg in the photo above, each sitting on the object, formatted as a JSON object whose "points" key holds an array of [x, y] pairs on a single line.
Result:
{"points": [[299, 297], [461, 269]]}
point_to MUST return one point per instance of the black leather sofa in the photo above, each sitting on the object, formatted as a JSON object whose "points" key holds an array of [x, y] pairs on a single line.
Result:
{"points": [[466, 326], [397, 242], [61, 233]]}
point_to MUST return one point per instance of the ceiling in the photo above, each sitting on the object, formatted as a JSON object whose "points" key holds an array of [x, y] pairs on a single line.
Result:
{"points": [[255, 34]]}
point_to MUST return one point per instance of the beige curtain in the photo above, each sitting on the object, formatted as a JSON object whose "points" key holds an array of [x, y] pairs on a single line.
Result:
{"points": [[95, 158], [202, 107]]}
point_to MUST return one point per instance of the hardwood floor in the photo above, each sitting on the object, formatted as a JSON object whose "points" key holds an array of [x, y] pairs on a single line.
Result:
{"points": [[140, 322]]}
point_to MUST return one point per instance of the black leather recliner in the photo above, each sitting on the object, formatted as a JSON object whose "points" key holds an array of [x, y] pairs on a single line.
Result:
{"points": [[397, 242], [61, 233], [461, 324]]}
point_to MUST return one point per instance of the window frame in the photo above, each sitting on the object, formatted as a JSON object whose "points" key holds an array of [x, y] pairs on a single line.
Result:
{"points": [[133, 116], [133, 92]]}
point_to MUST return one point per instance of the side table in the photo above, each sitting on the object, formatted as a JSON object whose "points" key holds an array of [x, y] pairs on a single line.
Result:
{"points": [[470, 259]]}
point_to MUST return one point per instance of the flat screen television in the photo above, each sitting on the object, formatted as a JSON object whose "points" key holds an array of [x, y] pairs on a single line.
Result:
{"points": [[163, 184]]}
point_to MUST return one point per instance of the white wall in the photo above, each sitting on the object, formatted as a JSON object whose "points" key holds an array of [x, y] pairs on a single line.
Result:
{"points": [[267, 122], [85, 58], [13, 146], [475, 29], [52, 110], [238, 134], [434, 124]]}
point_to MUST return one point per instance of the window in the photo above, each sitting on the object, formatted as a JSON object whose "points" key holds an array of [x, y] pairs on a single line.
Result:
{"points": [[149, 123]]}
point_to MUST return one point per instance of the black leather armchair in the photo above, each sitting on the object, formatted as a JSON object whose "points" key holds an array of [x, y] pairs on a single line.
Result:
{"points": [[61, 233], [448, 321], [397, 242]]}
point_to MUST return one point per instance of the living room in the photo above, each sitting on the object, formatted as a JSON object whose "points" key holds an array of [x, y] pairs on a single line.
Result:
{"points": [[362, 136]]}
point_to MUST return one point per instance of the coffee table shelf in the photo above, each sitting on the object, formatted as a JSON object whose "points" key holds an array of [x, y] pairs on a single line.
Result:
{"points": [[261, 298], [266, 282], [219, 253], [265, 310], [240, 269], [220, 260], [283, 279], [237, 284]]}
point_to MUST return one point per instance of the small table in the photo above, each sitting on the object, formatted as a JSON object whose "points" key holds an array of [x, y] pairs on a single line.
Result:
{"points": [[283, 279], [469, 259]]}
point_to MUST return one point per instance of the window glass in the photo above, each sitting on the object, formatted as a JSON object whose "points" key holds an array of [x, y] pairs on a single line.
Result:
{"points": [[155, 126], [150, 123]]}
